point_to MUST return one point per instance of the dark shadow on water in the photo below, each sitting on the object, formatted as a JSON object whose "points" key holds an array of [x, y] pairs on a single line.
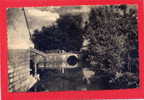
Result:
{"points": [[72, 79]]}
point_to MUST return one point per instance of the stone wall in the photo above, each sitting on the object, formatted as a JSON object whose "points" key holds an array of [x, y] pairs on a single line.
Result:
{"points": [[19, 71]]}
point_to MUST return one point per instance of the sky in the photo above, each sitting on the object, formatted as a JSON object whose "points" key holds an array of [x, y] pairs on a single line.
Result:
{"points": [[45, 16]]}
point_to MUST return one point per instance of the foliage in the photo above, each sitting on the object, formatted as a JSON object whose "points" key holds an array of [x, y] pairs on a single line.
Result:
{"points": [[65, 35], [112, 31]]}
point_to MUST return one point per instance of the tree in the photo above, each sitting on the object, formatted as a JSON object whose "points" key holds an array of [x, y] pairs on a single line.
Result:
{"points": [[110, 38], [65, 35]]}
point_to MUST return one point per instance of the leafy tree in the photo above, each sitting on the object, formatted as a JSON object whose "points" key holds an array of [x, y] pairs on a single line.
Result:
{"points": [[112, 37], [65, 35]]}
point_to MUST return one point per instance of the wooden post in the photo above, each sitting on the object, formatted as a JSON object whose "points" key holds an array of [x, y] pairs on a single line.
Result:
{"points": [[35, 68]]}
